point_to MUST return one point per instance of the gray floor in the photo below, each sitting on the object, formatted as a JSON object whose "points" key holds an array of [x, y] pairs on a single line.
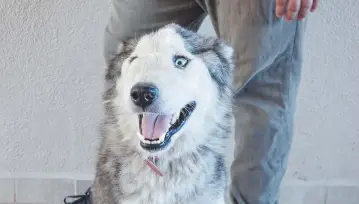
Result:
{"points": [[48, 191]]}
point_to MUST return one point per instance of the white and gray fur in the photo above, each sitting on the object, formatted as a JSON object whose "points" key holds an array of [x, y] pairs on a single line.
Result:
{"points": [[194, 164]]}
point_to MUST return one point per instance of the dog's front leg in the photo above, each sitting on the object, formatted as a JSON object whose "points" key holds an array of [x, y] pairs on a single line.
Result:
{"points": [[102, 191]]}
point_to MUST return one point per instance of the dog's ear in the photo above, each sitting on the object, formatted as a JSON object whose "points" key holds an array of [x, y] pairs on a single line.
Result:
{"points": [[220, 61], [225, 51], [123, 51]]}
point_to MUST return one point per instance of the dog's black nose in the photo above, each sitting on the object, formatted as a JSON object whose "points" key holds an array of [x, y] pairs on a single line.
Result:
{"points": [[144, 94]]}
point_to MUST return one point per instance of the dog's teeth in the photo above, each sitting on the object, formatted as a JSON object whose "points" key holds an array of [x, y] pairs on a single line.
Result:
{"points": [[162, 138], [142, 138], [150, 141]]}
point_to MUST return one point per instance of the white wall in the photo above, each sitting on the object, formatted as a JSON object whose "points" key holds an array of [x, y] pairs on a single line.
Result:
{"points": [[50, 82], [51, 71], [326, 145]]}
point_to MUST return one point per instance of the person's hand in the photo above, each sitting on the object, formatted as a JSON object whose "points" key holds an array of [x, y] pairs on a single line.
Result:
{"points": [[290, 9]]}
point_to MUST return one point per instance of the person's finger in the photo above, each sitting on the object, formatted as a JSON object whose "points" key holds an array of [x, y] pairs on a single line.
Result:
{"points": [[314, 5], [304, 8], [280, 8], [292, 9]]}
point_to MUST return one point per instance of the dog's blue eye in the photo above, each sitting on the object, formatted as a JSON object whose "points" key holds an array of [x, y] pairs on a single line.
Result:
{"points": [[180, 61]]}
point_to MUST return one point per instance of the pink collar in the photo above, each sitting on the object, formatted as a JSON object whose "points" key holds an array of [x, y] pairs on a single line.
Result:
{"points": [[151, 162]]}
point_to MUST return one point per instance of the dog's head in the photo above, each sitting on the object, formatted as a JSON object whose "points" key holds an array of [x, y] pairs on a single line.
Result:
{"points": [[168, 88]]}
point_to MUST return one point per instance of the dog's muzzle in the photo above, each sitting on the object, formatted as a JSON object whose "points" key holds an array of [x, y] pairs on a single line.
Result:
{"points": [[156, 129]]}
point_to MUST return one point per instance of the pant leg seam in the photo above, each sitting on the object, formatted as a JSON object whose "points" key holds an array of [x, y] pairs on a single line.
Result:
{"points": [[295, 40]]}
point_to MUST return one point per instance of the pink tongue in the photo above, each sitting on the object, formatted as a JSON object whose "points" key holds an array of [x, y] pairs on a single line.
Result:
{"points": [[154, 125]]}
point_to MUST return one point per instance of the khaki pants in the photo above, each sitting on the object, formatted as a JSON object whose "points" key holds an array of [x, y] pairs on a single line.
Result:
{"points": [[268, 51]]}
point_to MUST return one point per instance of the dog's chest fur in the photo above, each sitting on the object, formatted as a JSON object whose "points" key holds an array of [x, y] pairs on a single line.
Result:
{"points": [[187, 180]]}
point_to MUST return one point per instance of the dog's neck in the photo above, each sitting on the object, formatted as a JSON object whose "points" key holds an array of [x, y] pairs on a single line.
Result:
{"points": [[159, 165]]}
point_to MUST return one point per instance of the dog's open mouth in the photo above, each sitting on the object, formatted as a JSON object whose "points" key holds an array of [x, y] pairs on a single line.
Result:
{"points": [[156, 130]]}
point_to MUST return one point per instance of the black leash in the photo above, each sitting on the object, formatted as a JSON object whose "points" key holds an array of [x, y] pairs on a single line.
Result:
{"points": [[79, 199]]}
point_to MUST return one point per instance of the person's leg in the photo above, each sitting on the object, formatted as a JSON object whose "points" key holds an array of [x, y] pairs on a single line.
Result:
{"points": [[268, 52], [133, 18]]}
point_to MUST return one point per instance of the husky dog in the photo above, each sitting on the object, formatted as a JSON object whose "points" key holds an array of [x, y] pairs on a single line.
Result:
{"points": [[168, 118]]}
